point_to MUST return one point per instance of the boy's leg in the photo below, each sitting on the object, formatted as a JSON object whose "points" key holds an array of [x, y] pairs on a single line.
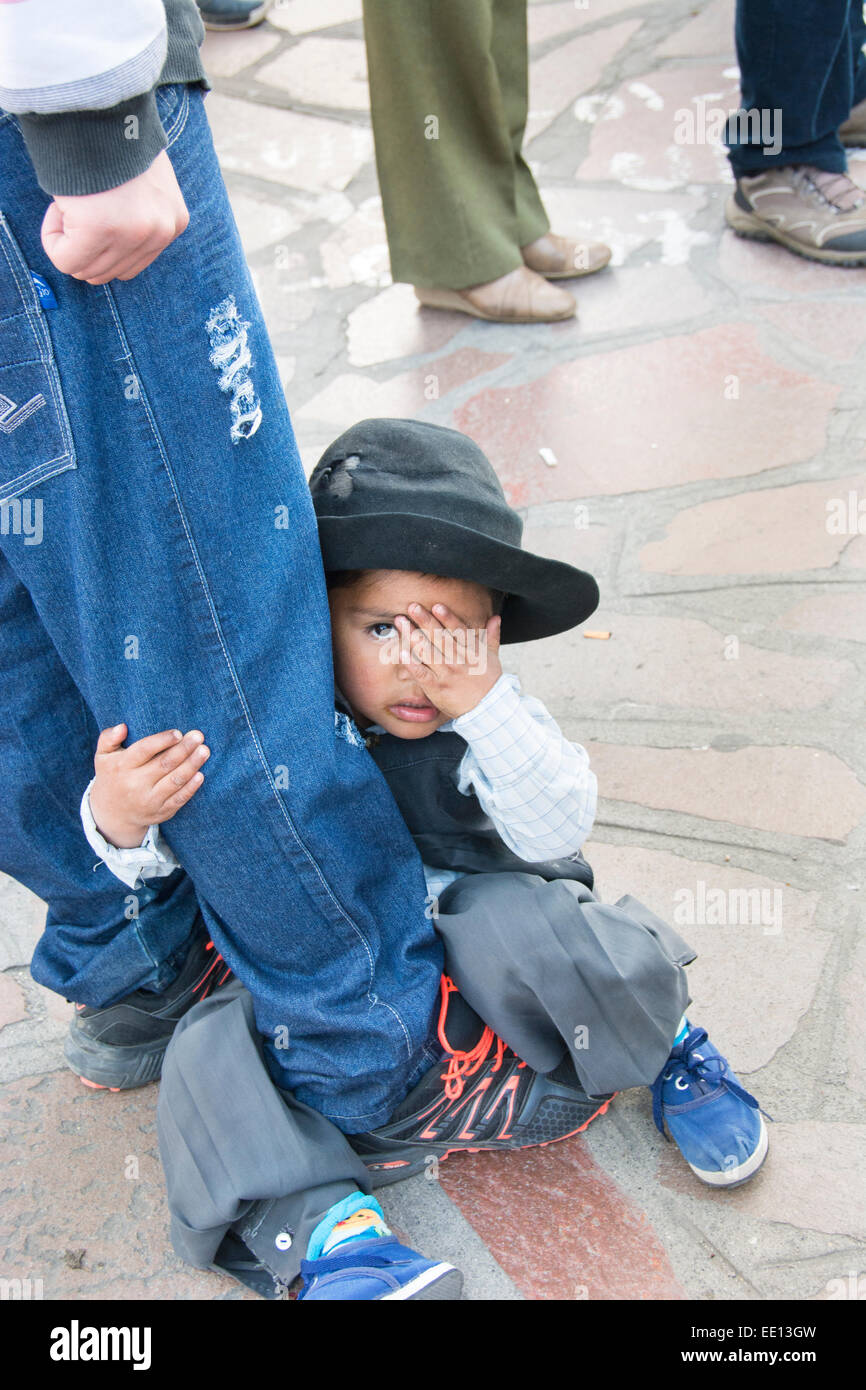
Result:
{"points": [[178, 578], [258, 1183], [554, 971]]}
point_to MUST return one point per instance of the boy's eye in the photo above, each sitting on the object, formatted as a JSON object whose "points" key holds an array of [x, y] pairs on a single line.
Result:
{"points": [[374, 626]]}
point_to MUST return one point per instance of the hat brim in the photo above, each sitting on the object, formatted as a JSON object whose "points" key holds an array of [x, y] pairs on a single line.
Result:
{"points": [[544, 596]]}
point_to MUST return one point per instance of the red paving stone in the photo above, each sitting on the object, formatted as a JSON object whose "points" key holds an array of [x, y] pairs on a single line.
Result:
{"points": [[770, 417], [558, 1225]]}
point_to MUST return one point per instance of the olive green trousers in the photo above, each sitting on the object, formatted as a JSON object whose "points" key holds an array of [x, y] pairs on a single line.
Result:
{"points": [[449, 91]]}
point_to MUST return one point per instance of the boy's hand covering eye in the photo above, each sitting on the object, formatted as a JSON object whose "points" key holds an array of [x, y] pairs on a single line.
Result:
{"points": [[454, 664], [144, 784]]}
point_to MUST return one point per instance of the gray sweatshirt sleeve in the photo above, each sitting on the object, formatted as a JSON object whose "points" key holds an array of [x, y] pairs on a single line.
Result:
{"points": [[82, 80]]}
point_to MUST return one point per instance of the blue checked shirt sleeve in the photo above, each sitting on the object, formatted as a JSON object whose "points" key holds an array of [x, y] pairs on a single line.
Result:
{"points": [[151, 859], [536, 786]]}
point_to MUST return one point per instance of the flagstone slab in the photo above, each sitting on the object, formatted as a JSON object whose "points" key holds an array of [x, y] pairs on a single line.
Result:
{"points": [[13, 1006], [562, 75], [792, 791], [710, 32], [225, 55], [262, 222], [660, 130], [852, 1020], [828, 328], [84, 1208], [306, 152], [767, 531], [559, 1226], [352, 397], [564, 16], [828, 615], [357, 253], [766, 265], [301, 16], [392, 325], [629, 221], [322, 72], [750, 932], [610, 419], [812, 1179], [682, 663]]}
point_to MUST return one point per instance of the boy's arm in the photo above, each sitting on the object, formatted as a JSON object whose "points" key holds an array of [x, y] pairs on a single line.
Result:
{"points": [[134, 790], [153, 858], [536, 786]]}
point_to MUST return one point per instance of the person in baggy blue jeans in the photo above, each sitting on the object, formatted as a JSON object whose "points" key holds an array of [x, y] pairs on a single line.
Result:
{"points": [[174, 577]]}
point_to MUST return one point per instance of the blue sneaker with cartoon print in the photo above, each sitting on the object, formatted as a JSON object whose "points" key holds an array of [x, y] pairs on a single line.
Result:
{"points": [[716, 1124], [352, 1256], [378, 1269]]}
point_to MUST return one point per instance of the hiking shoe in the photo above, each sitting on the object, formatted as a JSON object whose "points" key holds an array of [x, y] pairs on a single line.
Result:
{"points": [[122, 1045], [485, 1099], [378, 1269], [813, 212], [853, 131], [232, 14], [716, 1124]]}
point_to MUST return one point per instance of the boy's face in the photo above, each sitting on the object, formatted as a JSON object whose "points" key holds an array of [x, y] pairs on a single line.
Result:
{"points": [[378, 688]]}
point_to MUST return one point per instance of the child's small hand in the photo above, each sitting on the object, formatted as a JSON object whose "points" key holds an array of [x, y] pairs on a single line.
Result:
{"points": [[455, 665], [143, 784]]}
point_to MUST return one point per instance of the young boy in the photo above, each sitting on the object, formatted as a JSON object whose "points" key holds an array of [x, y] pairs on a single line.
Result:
{"points": [[559, 1000]]}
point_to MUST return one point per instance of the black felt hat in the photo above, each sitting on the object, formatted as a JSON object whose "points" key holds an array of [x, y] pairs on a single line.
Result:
{"points": [[405, 495]]}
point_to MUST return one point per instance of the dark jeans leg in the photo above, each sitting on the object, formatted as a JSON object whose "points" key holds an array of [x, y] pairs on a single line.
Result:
{"points": [[802, 69]]}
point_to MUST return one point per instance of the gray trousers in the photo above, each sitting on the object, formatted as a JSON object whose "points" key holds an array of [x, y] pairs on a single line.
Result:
{"points": [[250, 1171]]}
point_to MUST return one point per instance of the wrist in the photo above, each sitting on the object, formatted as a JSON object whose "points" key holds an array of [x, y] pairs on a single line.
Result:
{"points": [[117, 830]]}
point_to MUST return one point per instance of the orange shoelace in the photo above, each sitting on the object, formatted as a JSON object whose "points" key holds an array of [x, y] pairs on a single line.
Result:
{"points": [[465, 1064]]}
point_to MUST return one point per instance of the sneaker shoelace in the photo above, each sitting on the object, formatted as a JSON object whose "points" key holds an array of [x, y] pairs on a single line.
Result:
{"points": [[713, 1071], [838, 191], [462, 1065]]}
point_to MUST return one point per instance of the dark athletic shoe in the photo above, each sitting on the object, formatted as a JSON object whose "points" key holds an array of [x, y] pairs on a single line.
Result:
{"points": [[122, 1046], [485, 1099], [232, 14]]}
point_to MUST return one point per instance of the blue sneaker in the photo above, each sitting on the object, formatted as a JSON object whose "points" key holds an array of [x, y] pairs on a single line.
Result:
{"points": [[378, 1269], [232, 14], [716, 1124]]}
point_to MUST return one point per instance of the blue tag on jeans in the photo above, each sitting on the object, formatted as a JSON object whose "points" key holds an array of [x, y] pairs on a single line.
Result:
{"points": [[44, 290]]}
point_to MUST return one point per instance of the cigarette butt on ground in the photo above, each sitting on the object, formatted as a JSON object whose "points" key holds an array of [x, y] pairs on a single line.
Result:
{"points": [[599, 636]]}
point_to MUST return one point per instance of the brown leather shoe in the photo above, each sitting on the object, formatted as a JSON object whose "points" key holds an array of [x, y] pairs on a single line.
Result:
{"points": [[521, 296], [561, 258]]}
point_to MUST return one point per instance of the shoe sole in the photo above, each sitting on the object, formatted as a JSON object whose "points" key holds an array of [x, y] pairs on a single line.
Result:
{"points": [[735, 1177], [129, 1067], [387, 1170], [254, 18], [571, 274], [753, 228], [442, 1282], [450, 299]]}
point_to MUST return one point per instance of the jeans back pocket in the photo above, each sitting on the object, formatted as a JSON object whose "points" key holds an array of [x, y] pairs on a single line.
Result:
{"points": [[35, 437]]}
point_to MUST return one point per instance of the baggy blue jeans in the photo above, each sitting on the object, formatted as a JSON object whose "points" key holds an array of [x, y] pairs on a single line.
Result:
{"points": [[805, 59], [159, 565]]}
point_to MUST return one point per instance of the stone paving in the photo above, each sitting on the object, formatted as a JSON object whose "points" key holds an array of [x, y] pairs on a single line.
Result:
{"points": [[705, 414]]}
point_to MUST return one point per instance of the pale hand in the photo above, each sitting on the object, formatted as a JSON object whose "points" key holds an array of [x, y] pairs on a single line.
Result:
{"points": [[144, 784], [113, 235]]}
